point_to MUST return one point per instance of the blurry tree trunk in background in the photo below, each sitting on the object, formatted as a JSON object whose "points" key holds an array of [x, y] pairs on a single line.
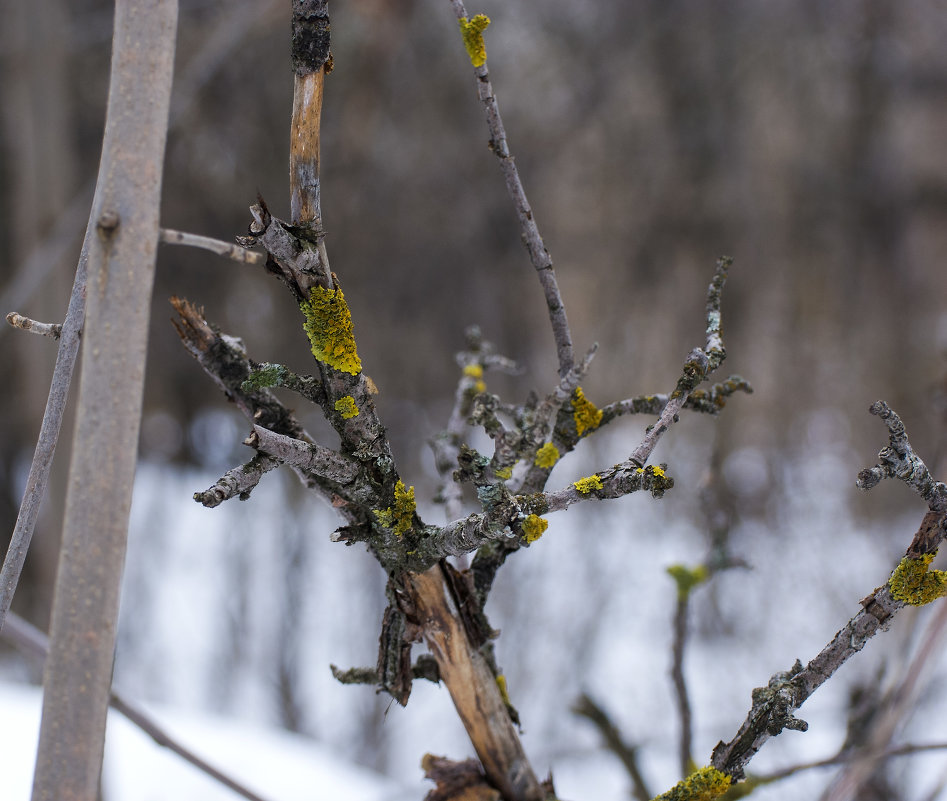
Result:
{"points": [[37, 134], [121, 271]]}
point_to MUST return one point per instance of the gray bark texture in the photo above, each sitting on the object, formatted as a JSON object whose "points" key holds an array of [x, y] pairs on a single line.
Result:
{"points": [[121, 269]]}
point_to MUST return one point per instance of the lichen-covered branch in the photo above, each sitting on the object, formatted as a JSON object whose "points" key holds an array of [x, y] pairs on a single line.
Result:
{"points": [[707, 401], [910, 583], [699, 364], [898, 460], [237, 483], [446, 445], [266, 375], [538, 254], [224, 359], [307, 456]]}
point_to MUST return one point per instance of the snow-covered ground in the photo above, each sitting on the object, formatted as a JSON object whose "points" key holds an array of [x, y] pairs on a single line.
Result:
{"points": [[271, 763]]}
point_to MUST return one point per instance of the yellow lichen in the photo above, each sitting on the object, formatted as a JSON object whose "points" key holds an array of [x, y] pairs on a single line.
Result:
{"points": [[587, 484], [657, 471], [475, 371], [346, 407], [328, 325], [585, 414], [705, 784], [533, 527], [913, 583], [504, 473], [547, 456], [504, 693], [472, 32], [400, 516]]}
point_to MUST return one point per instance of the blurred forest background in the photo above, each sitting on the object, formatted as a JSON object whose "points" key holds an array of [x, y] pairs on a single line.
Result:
{"points": [[805, 138]]}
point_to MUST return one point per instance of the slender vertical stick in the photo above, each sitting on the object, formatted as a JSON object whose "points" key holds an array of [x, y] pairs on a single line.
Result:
{"points": [[121, 265], [305, 203], [38, 478], [311, 62]]}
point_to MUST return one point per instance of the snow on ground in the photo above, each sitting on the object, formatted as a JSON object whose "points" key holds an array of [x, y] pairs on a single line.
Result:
{"points": [[274, 764]]}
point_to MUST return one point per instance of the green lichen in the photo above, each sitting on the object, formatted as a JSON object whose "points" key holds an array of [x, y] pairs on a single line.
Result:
{"points": [[400, 516], [547, 456], [587, 484], [346, 407], [585, 414], [687, 578], [913, 583], [705, 784], [328, 325], [472, 32], [533, 527], [266, 375]]}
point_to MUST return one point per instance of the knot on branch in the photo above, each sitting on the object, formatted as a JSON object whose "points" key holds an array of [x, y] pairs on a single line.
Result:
{"points": [[310, 49], [898, 460], [695, 371], [771, 713]]}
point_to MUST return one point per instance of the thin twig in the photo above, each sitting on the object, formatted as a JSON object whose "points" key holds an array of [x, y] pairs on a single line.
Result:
{"points": [[38, 477], [231, 251], [237, 483], [843, 758], [700, 363], [52, 330], [627, 754], [680, 683], [31, 641], [446, 445], [538, 255]]}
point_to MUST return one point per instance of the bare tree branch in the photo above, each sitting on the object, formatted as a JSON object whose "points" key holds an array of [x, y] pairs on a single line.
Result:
{"points": [[627, 754], [52, 330], [538, 254], [234, 252]]}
